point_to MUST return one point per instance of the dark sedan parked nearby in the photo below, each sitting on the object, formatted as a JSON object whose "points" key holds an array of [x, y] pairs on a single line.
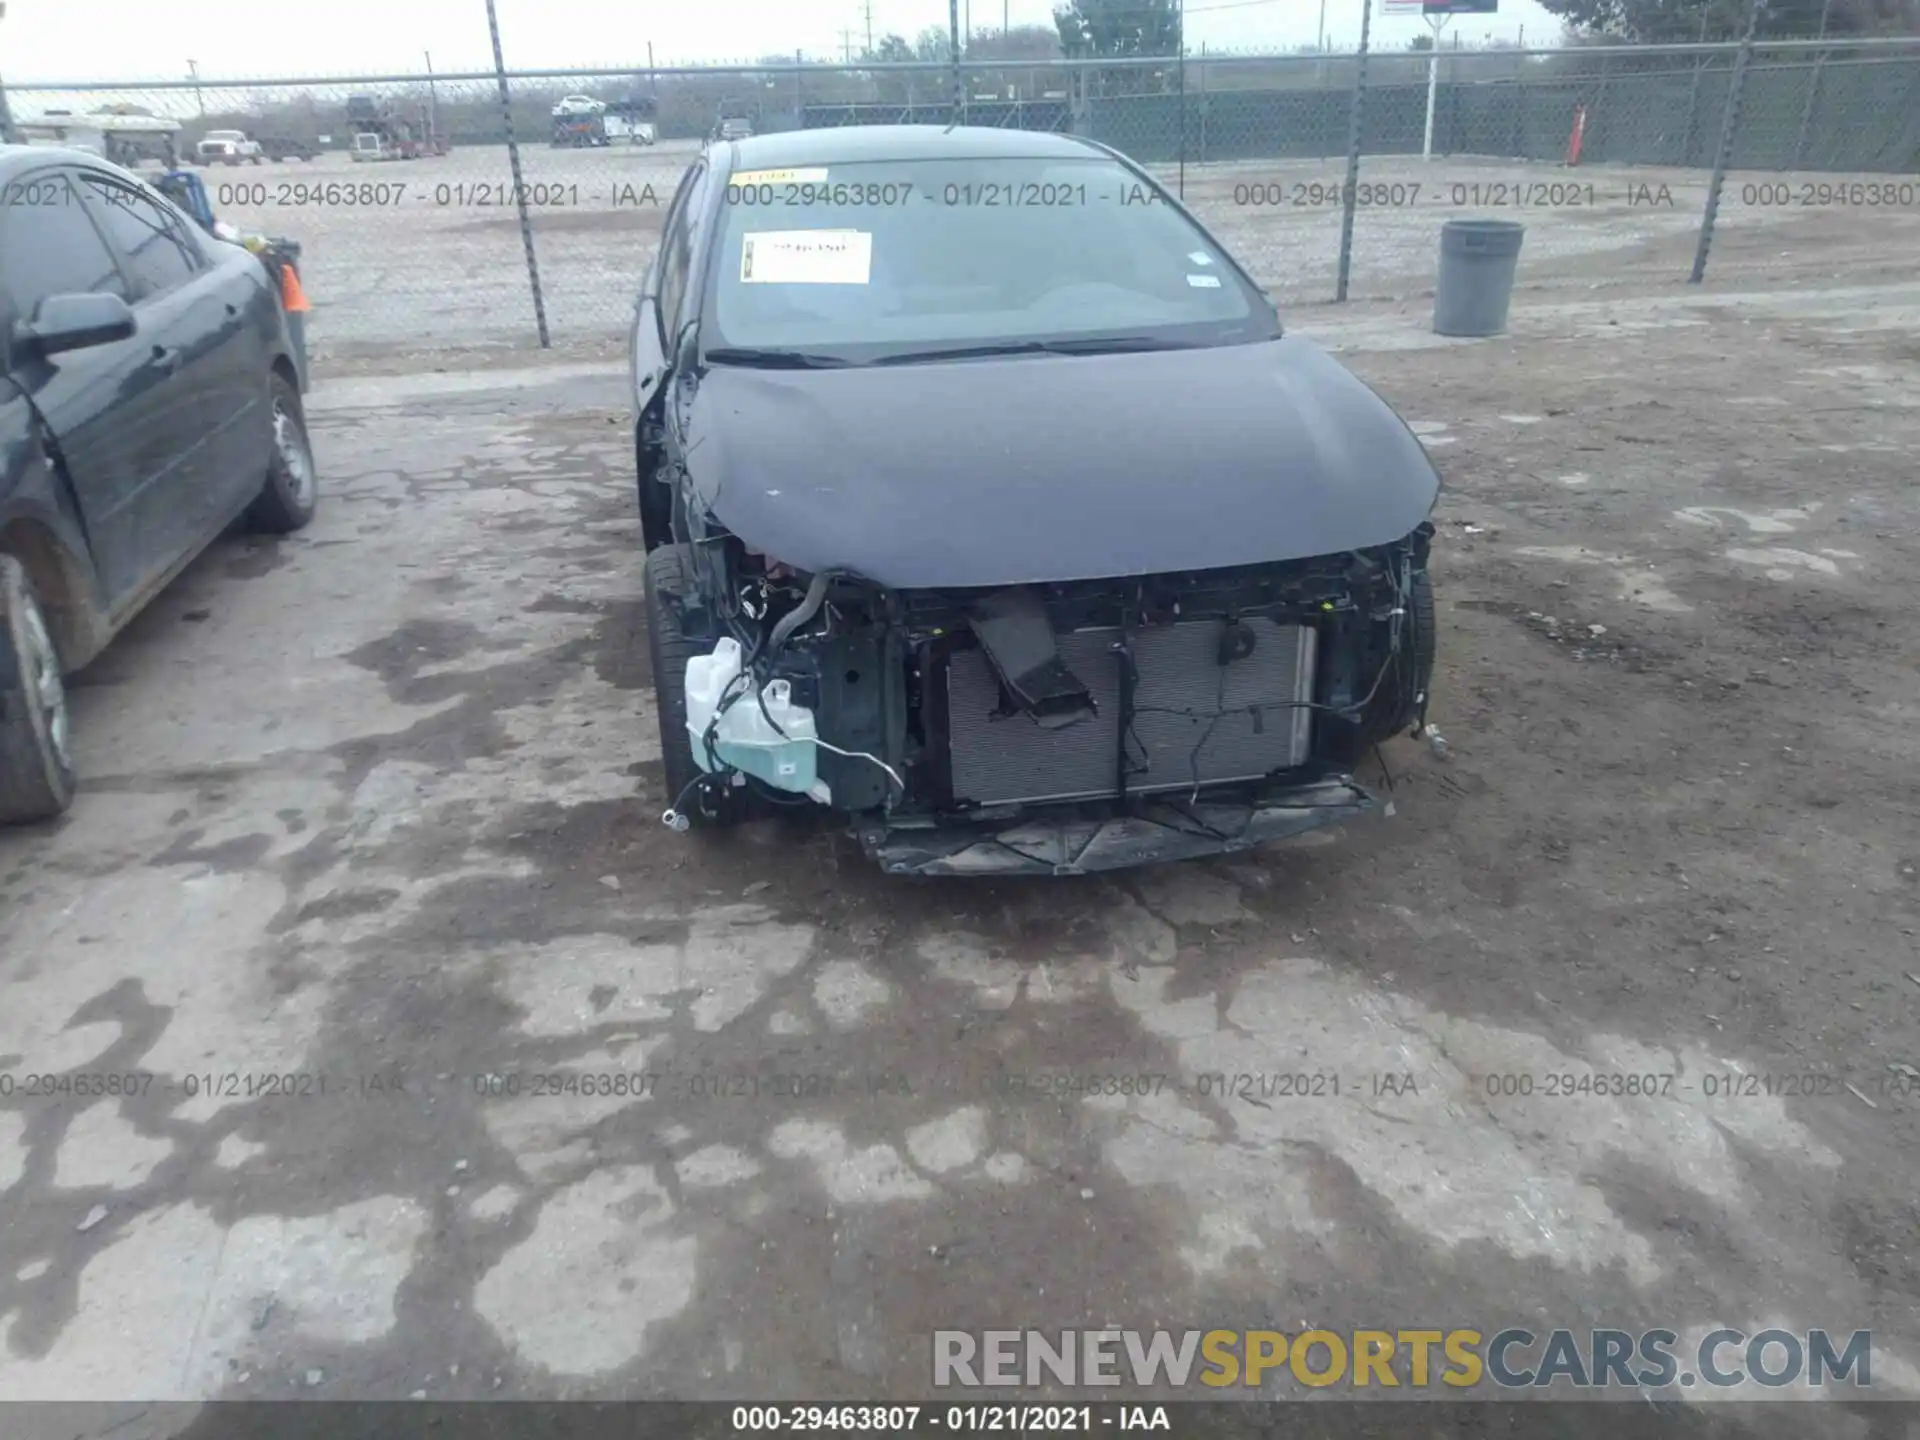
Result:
{"points": [[986, 503], [148, 398]]}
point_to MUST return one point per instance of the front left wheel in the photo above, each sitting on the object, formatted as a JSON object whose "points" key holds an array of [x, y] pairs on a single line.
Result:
{"points": [[36, 768], [1400, 693], [286, 501]]}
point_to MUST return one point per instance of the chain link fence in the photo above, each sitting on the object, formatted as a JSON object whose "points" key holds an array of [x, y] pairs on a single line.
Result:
{"points": [[400, 188]]}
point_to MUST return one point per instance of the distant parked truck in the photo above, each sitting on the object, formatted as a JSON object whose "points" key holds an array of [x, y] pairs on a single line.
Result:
{"points": [[381, 132], [580, 132], [124, 139], [631, 121], [279, 147], [228, 147]]}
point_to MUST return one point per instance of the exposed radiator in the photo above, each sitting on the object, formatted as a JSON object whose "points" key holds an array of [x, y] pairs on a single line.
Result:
{"points": [[1180, 685]]}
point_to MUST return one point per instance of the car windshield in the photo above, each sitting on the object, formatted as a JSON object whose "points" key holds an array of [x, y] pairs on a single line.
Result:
{"points": [[900, 259]]}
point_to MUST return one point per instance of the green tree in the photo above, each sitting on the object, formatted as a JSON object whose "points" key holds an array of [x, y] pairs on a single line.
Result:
{"points": [[932, 44], [895, 87], [1667, 21], [1094, 28], [1021, 42], [892, 50]]}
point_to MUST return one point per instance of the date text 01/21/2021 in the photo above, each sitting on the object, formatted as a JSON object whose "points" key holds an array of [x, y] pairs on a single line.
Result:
{"points": [[394, 194], [979, 195], [1459, 194], [958, 1419], [224, 1085]]}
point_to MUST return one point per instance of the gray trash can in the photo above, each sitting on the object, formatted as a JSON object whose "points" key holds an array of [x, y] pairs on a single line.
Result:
{"points": [[1478, 259]]}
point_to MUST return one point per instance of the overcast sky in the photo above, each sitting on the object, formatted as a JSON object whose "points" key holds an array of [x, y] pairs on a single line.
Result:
{"points": [[135, 39]]}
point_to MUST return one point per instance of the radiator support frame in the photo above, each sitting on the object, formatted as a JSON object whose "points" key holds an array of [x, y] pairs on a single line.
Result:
{"points": [[1124, 752]]}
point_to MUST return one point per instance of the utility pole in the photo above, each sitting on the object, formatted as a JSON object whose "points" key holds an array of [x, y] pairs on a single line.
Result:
{"points": [[433, 101], [953, 55], [1323, 27], [1438, 23], [1729, 127], [1355, 129], [193, 69], [869, 13], [846, 46], [1180, 62], [1813, 90], [519, 184], [6, 115]]}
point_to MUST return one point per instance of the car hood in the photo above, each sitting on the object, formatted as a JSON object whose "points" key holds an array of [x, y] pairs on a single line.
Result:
{"points": [[1054, 468]]}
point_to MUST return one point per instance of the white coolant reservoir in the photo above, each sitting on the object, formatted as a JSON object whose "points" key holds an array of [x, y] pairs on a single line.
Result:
{"points": [[745, 738]]}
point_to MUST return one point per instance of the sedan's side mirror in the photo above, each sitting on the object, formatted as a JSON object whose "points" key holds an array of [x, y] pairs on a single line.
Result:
{"points": [[77, 322]]}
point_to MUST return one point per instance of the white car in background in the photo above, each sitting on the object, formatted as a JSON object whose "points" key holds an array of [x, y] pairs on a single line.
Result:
{"points": [[573, 107], [626, 122], [228, 147]]}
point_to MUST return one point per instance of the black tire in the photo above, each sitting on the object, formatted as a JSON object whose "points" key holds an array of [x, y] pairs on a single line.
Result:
{"points": [[36, 768], [292, 489], [1397, 702], [668, 578]]}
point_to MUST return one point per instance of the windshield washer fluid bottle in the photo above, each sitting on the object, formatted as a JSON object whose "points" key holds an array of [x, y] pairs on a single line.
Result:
{"points": [[744, 739]]}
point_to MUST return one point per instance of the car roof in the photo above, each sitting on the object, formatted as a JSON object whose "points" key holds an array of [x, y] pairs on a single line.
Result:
{"points": [[845, 144], [16, 158]]}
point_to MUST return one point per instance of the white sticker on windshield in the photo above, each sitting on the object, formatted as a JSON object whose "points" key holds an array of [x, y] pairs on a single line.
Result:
{"points": [[1204, 282], [806, 257], [1199, 257]]}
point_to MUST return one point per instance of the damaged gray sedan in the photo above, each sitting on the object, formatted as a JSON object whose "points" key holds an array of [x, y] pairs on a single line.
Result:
{"points": [[987, 505]]}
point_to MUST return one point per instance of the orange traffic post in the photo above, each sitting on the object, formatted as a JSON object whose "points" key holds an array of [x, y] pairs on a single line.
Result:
{"points": [[1579, 136], [292, 297]]}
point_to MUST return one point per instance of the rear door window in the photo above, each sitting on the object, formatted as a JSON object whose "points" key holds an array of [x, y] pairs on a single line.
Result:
{"points": [[158, 253]]}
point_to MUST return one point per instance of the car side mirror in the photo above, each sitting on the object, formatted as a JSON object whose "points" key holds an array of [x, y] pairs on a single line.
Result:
{"points": [[77, 322]]}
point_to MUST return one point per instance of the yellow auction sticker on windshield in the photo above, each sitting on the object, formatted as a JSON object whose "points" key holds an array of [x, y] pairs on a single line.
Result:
{"points": [[806, 257], [779, 177]]}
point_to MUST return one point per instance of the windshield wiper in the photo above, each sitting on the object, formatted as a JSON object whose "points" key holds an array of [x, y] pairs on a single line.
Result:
{"points": [[1084, 345], [774, 359]]}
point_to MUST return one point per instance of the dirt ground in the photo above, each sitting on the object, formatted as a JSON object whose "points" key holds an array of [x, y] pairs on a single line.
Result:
{"points": [[377, 808]]}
